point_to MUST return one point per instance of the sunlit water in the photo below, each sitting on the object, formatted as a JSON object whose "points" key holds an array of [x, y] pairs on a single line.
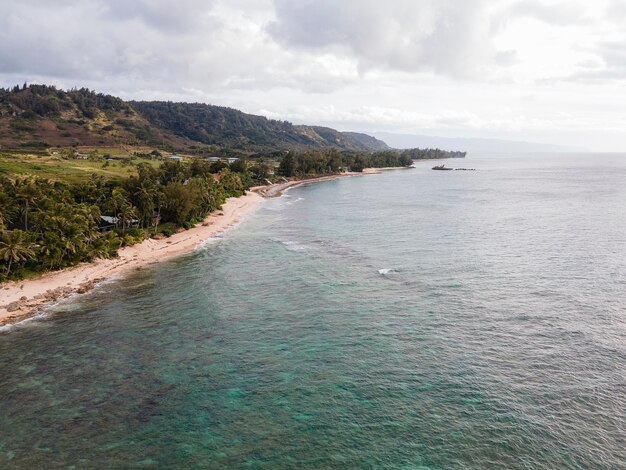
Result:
{"points": [[413, 319]]}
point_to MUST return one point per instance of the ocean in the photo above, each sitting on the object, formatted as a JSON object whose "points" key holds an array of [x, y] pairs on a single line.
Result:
{"points": [[413, 319]]}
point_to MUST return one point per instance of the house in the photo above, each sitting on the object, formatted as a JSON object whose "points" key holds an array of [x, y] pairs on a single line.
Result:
{"points": [[109, 219], [213, 159], [108, 222], [232, 159], [175, 158]]}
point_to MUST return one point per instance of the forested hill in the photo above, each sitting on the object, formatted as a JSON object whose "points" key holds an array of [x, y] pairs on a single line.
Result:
{"points": [[227, 127], [367, 140], [44, 116]]}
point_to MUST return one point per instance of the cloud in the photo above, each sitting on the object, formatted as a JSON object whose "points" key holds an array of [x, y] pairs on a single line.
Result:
{"points": [[153, 45], [186, 16], [81, 40], [553, 13], [444, 36], [318, 46], [401, 64]]}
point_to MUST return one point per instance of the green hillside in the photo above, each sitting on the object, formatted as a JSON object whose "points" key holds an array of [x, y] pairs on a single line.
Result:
{"points": [[40, 116]]}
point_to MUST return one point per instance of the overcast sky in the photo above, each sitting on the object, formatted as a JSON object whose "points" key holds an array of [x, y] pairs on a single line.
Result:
{"points": [[538, 70]]}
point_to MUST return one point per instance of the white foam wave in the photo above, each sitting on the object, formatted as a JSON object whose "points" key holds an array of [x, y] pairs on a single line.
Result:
{"points": [[289, 203], [292, 245]]}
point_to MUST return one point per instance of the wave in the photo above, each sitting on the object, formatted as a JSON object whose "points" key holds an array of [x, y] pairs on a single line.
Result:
{"points": [[289, 203], [292, 245]]}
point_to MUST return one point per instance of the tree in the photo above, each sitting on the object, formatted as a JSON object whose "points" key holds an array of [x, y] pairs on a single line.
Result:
{"points": [[118, 200], [178, 203], [200, 167], [231, 182], [239, 166], [358, 165], [144, 199], [14, 249], [287, 165], [26, 192], [260, 171], [126, 216]]}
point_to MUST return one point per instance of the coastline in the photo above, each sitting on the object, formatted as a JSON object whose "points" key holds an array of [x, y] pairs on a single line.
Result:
{"points": [[276, 190], [22, 300]]}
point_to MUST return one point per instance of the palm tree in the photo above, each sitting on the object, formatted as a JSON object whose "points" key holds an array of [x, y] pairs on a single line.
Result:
{"points": [[26, 191], [14, 248], [145, 196]]}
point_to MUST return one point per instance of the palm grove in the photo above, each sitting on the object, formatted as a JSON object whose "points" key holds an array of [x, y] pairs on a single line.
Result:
{"points": [[49, 225]]}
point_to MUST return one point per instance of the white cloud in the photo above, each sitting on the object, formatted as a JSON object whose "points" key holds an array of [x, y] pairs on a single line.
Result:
{"points": [[443, 36], [466, 66]]}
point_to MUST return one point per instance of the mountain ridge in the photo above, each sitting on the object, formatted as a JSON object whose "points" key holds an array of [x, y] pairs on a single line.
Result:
{"points": [[41, 116]]}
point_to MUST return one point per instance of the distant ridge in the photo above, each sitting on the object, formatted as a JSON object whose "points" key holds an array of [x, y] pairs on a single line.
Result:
{"points": [[40, 116], [470, 144], [367, 140]]}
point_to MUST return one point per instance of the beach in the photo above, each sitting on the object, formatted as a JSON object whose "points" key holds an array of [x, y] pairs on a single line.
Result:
{"points": [[277, 189], [22, 299]]}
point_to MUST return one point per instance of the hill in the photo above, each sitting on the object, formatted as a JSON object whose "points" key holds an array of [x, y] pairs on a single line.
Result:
{"points": [[367, 140], [230, 128], [40, 116]]}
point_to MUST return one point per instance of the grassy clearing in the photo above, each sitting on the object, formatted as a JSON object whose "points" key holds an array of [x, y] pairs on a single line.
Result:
{"points": [[61, 168]]}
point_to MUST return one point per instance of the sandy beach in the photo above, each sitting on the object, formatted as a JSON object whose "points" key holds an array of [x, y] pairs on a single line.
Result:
{"points": [[276, 190], [20, 300]]}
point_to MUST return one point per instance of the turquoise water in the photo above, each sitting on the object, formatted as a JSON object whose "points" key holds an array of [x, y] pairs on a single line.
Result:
{"points": [[413, 319]]}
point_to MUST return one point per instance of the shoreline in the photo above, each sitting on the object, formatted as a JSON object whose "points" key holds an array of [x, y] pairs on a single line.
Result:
{"points": [[23, 300], [277, 190]]}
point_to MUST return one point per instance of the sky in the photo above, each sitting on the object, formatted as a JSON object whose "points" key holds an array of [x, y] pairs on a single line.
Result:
{"points": [[535, 70]]}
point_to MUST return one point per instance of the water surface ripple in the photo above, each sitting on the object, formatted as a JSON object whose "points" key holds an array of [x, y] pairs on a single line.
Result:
{"points": [[413, 319]]}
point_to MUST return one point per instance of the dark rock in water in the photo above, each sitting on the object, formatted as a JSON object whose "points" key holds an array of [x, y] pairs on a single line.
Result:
{"points": [[443, 167]]}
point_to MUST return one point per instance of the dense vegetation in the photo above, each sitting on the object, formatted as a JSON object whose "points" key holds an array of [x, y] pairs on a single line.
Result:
{"points": [[428, 154], [48, 225], [39, 116], [227, 127], [43, 100], [323, 162]]}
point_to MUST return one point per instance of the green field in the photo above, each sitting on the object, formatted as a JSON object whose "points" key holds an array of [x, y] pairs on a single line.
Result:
{"points": [[62, 168]]}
